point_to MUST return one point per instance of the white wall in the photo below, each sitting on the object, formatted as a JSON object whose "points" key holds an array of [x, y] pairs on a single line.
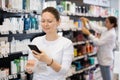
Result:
{"points": [[114, 4]]}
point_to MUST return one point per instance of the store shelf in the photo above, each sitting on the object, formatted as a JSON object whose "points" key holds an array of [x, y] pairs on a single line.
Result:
{"points": [[90, 67], [80, 15], [21, 32], [80, 57], [11, 77], [14, 76], [22, 11], [3, 56], [80, 71], [12, 55], [81, 42], [91, 54]]}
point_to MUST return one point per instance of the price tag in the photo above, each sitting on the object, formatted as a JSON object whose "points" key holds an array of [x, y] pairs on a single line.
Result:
{"points": [[74, 29], [105, 3], [85, 57], [1, 56], [20, 31], [15, 76], [14, 32], [4, 32], [94, 2], [10, 77], [5, 55]]}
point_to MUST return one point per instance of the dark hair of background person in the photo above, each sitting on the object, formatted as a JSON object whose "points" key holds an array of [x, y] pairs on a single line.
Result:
{"points": [[53, 11], [113, 20]]}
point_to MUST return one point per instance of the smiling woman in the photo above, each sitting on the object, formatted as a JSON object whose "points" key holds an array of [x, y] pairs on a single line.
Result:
{"points": [[50, 64]]}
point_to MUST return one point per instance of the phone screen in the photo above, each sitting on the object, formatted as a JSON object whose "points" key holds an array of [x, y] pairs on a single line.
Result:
{"points": [[34, 47]]}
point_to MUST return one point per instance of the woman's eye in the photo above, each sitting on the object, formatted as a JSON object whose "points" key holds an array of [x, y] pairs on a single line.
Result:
{"points": [[50, 21], [42, 21]]}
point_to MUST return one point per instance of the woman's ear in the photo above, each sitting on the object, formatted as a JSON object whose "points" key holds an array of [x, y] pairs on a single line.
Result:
{"points": [[112, 25], [59, 22]]}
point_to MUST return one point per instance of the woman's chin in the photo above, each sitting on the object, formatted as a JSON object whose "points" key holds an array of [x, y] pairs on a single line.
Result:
{"points": [[46, 31]]}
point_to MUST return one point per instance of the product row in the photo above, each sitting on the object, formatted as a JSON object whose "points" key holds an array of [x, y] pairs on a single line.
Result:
{"points": [[13, 46], [84, 49], [16, 66], [81, 43], [32, 22], [83, 63], [90, 74], [22, 4], [64, 7]]}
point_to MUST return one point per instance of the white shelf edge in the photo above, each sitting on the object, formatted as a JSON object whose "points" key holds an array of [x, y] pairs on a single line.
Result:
{"points": [[82, 70], [80, 57]]}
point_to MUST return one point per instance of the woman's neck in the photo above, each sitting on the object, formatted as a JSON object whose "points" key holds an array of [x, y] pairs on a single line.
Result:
{"points": [[110, 28], [51, 37]]}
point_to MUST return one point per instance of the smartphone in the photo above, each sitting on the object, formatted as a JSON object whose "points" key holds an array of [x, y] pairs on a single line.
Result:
{"points": [[34, 47]]}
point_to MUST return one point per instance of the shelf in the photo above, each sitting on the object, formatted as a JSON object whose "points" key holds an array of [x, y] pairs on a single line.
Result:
{"points": [[91, 54], [79, 15], [12, 55], [81, 42], [21, 32], [12, 76], [69, 29], [22, 11], [8, 13], [82, 70], [90, 67], [23, 35], [3, 56], [80, 57]]}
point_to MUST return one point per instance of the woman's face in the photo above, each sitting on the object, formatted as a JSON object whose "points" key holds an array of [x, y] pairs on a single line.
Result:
{"points": [[108, 24], [49, 23]]}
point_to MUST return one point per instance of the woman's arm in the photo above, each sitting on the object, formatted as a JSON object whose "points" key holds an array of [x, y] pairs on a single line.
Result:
{"points": [[66, 59], [106, 39], [97, 28], [91, 25]]}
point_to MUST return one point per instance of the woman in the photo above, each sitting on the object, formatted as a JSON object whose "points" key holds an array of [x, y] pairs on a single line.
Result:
{"points": [[105, 43], [57, 52]]}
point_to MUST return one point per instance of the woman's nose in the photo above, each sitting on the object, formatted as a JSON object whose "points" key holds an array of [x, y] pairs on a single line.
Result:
{"points": [[46, 23]]}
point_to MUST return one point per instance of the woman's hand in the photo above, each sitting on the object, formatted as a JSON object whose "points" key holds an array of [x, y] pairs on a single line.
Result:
{"points": [[85, 31], [42, 57], [30, 66], [49, 61], [84, 19]]}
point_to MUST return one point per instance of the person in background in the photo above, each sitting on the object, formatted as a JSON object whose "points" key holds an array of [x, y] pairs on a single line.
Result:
{"points": [[105, 43], [57, 51]]}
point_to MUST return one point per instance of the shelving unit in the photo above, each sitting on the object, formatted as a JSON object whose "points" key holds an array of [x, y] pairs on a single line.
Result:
{"points": [[75, 17], [80, 57], [69, 32], [82, 70], [7, 58], [14, 76]]}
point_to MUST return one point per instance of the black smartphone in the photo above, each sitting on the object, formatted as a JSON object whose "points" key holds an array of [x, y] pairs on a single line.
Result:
{"points": [[34, 47]]}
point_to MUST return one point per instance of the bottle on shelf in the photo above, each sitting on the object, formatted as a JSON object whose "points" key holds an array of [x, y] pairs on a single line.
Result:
{"points": [[27, 22]]}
